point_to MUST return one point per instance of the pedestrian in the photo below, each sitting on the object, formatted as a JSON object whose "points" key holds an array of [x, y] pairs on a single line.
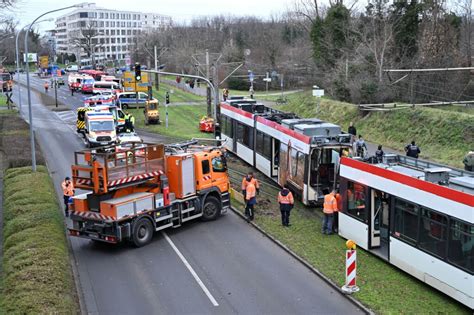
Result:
{"points": [[329, 207], [335, 224], [352, 129], [72, 90], [68, 192], [46, 86], [469, 161], [286, 201], [412, 150], [191, 84], [128, 122], [250, 199], [360, 147], [132, 123], [253, 180], [379, 154], [225, 94]]}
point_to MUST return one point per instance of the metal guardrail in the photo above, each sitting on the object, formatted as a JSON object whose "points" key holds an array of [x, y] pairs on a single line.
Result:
{"points": [[422, 164]]}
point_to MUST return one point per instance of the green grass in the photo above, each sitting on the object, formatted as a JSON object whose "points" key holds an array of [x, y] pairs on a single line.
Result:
{"points": [[183, 121], [37, 277], [383, 288], [3, 101], [444, 136], [177, 96], [455, 108]]}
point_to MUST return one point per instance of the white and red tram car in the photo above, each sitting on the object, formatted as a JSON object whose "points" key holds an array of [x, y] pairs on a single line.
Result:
{"points": [[303, 153], [418, 217]]}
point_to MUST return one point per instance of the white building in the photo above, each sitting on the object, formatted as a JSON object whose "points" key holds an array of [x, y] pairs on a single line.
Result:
{"points": [[113, 33]]}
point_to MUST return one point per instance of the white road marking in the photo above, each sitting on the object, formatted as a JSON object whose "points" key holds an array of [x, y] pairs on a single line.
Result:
{"points": [[191, 270]]}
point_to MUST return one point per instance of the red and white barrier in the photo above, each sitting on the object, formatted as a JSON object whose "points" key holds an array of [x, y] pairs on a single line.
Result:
{"points": [[351, 270]]}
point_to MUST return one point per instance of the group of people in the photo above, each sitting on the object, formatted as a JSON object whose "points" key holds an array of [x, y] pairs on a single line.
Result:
{"points": [[360, 147], [250, 190]]}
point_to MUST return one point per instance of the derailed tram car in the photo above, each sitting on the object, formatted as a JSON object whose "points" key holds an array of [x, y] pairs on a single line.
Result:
{"points": [[417, 215], [303, 153]]}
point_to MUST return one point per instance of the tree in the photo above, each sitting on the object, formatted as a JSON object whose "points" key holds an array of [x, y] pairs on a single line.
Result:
{"points": [[87, 40]]}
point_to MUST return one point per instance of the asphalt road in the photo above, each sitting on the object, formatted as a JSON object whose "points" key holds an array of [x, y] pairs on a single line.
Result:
{"points": [[219, 267]]}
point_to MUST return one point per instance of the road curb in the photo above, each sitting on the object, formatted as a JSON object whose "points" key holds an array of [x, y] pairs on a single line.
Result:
{"points": [[306, 264]]}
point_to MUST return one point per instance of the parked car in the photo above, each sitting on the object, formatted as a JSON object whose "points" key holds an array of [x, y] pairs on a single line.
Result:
{"points": [[72, 68], [128, 99]]}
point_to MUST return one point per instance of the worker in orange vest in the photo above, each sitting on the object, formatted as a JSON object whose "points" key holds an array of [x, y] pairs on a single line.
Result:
{"points": [[253, 180], [68, 192], [335, 224], [286, 201], [329, 207], [250, 199]]}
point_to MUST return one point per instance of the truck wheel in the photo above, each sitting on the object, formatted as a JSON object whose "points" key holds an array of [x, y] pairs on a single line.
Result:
{"points": [[211, 209], [124, 106], [142, 232]]}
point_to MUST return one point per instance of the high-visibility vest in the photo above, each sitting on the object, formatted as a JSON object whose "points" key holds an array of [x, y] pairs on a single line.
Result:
{"points": [[68, 190], [254, 181], [330, 204], [287, 200], [250, 191], [338, 202]]}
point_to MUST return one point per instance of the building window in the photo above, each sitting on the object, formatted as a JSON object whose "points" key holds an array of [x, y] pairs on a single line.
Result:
{"points": [[461, 244], [83, 15], [406, 221], [356, 201]]}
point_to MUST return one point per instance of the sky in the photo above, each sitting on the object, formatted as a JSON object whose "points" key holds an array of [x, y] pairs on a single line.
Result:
{"points": [[180, 10]]}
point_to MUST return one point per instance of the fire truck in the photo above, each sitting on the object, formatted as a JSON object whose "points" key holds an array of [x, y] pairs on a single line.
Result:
{"points": [[148, 188]]}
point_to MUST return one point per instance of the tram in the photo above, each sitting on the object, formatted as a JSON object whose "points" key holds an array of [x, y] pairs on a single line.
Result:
{"points": [[417, 215], [303, 153]]}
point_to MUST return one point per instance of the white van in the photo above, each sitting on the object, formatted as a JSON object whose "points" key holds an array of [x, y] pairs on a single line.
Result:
{"points": [[72, 68], [100, 86]]}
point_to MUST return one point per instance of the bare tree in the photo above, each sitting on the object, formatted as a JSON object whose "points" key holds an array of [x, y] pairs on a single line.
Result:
{"points": [[86, 39], [464, 8]]}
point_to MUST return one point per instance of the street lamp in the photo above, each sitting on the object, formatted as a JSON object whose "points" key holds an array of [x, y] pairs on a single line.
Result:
{"points": [[32, 138], [18, 58]]}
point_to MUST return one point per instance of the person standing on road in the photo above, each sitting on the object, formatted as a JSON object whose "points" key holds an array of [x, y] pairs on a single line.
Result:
{"points": [[353, 132], [128, 122], [379, 154], [132, 123], [68, 192], [46, 86], [329, 207], [286, 201], [412, 150], [360, 146], [225, 94], [250, 199], [254, 182], [469, 161]]}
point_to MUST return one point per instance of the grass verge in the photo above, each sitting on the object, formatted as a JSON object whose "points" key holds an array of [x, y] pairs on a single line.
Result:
{"points": [[183, 121], [15, 140], [384, 288], [176, 95], [444, 136], [37, 278]]}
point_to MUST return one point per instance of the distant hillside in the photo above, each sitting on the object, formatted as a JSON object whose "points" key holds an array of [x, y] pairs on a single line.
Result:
{"points": [[444, 136]]}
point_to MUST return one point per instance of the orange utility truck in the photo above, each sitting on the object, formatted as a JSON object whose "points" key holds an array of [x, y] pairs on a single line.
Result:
{"points": [[148, 189]]}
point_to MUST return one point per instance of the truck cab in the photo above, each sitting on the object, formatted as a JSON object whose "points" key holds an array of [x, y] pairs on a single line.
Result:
{"points": [[151, 112], [99, 128]]}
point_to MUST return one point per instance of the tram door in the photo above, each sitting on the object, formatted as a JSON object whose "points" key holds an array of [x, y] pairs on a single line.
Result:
{"points": [[275, 157], [379, 221]]}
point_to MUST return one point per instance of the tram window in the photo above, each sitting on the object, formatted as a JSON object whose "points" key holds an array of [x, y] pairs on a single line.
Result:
{"points": [[461, 245], [356, 205], [245, 135], [259, 145], [433, 232], [227, 126], [406, 221], [294, 163]]}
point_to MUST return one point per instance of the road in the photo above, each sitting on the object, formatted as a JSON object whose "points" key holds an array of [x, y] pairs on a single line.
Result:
{"points": [[220, 267]]}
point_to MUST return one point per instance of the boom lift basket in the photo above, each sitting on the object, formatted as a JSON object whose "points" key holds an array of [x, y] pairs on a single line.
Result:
{"points": [[109, 168]]}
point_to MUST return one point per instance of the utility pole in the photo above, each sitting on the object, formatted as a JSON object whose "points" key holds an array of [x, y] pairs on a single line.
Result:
{"points": [[157, 75], [208, 89]]}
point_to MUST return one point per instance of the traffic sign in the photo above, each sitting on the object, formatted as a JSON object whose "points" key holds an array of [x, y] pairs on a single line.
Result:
{"points": [[251, 76], [267, 79], [318, 92]]}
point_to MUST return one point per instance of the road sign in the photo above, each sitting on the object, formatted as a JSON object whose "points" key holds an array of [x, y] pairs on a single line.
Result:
{"points": [[32, 57], [318, 92], [267, 79]]}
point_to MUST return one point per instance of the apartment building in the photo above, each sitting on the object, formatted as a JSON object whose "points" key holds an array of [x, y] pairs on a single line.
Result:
{"points": [[106, 34]]}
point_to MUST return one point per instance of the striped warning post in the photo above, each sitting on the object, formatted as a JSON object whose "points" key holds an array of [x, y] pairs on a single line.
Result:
{"points": [[351, 271]]}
